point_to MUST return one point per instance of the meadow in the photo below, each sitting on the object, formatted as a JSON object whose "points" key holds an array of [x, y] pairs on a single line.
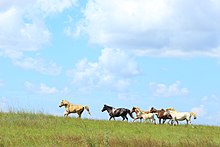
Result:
{"points": [[38, 129]]}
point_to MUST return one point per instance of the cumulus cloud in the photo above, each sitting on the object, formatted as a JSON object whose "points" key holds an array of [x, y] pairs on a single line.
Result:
{"points": [[39, 65], [22, 29], [41, 89], [114, 69], [18, 36], [163, 90], [200, 110], [205, 109], [164, 28], [50, 6]]}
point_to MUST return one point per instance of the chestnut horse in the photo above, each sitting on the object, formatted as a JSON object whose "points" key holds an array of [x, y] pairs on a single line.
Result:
{"points": [[161, 114], [71, 108]]}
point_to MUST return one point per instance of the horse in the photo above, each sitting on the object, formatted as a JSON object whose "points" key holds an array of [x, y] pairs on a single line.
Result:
{"points": [[161, 114], [117, 112], [181, 116], [143, 115], [71, 108], [135, 109]]}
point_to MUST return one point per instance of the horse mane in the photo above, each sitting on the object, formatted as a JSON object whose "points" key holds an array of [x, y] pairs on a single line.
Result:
{"points": [[170, 109], [109, 106], [137, 108]]}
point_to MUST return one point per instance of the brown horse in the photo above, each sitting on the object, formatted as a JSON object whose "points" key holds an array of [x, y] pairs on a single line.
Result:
{"points": [[70, 108], [161, 114]]}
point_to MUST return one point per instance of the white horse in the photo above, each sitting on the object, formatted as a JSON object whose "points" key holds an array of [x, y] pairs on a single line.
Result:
{"points": [[180, 116]]}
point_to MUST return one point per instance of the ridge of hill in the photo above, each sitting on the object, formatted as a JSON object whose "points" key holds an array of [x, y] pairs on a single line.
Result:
{"points": [[38, 129]]}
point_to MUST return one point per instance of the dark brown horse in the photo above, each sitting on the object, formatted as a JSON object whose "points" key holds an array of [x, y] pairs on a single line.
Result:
{"points": [[116, 112], [160, 114]]}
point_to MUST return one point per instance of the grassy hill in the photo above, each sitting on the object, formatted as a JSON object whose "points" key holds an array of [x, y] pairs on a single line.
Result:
{"points": [[30, 129]]}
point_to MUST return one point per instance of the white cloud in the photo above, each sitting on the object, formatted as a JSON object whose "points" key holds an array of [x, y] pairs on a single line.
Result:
{"points": [[174, 28], [114, 69], [22, 29], [162, 90], [200, 110], [41, 89], [17, 36], [54, 6], [39, 65], [208, 110]]}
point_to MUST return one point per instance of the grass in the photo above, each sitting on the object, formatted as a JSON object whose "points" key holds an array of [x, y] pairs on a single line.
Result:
{"points": [[30, 129]]}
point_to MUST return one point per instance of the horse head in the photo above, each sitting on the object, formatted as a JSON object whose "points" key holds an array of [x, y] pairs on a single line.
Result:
{"points": [[153, 110], [63, 103], [134, 109], [105, 107]]}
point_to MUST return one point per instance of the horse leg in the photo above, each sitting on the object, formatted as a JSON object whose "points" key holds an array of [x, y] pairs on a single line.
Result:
{"points": [[188, 121], [142, 119], [66, 114], [164, 121], [170, 121], [154, 121], [80, 115], [159, 120], [110, 117], [126, 117], [135, 119], [177, 122]]}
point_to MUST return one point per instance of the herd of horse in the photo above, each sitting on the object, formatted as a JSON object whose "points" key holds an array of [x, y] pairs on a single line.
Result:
{"points": [[163, 114]]}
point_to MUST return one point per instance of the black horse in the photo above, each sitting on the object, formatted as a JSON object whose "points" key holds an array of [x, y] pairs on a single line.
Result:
{"points": [[113, 112]]}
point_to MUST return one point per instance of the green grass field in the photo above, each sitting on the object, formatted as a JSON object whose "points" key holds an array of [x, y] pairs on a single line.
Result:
{"points": [[30, 129]]}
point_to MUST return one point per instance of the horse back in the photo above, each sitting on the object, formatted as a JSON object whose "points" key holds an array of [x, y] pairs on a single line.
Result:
{"points": [[120, 111], [75, 108]]}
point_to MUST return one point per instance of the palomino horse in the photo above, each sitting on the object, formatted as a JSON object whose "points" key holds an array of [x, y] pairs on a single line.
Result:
{"points": [[143, 115], [161, 114], [180, 116], [70, 108], [113, 112]]}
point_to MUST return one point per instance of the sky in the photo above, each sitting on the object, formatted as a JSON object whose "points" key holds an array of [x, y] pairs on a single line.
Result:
{"points": [[123, 53]]}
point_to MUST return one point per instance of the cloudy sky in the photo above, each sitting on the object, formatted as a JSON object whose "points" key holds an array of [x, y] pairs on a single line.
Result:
{"points": [[161, 53]]}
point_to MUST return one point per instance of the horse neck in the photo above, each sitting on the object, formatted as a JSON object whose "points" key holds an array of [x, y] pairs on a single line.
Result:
{"points": [[67, 106], [138, 112], [110, 109], [172, 112]]}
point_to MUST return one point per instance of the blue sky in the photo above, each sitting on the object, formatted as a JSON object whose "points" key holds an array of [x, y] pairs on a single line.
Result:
{"points": [[161, 53]]}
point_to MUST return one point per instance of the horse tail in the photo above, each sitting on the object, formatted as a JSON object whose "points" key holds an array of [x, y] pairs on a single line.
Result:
{"points": [[193, 114], [130, 113], [87, 108]]}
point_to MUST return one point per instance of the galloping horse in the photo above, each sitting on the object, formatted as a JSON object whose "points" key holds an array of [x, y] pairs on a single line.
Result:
{"points": [[180, 116], [136, 109], [143, 115], [113, 112], [70, 108], [161, 114]]}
